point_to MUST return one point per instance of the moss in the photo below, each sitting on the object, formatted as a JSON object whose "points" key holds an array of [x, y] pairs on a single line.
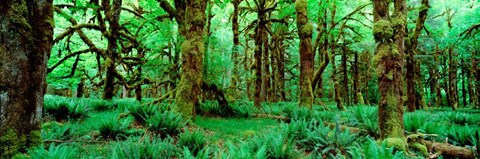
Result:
{"points": [[307, 29], [108, 62], [17, 13], [11, 143], [382, 30], [301, 5], [249, 133], [360, 98], [397, 143], [34, 138], [184, 103], [399, 20], [420, 148], [20, 156]]}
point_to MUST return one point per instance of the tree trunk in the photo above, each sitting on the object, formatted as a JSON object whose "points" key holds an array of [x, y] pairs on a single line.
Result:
{"points": [[345, 90], [236, 44], [113, 16], [259, 33], [192, 56], [452, 76], [80, 88], [26, 35], [356, 78], [306, 54], [389, 61]]}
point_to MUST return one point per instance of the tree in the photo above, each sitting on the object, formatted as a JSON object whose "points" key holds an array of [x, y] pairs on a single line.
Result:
{"points": [[26, 37], [389, 33], [306, 54], [192, 56]]}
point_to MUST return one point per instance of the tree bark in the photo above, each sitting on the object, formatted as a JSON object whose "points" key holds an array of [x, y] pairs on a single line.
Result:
{"points": [[306, 54], [113, 17], [236, 44], [452, 76], [389, 35], [259, 33], [192, 56], [26, 35]]}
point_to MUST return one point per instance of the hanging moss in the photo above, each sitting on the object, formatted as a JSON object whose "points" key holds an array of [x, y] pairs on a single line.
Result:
{"points": [[360, 98], [382, 30]]}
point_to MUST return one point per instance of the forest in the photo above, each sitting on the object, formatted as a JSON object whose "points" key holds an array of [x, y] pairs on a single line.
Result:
{"points": [[239, 79]]}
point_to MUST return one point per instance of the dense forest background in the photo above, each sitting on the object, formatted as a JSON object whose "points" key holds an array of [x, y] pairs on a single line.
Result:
{"points": [[267, 79]]}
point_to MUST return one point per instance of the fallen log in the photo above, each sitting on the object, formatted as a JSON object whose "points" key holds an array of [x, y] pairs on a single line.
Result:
{"points": [[447, 150]]}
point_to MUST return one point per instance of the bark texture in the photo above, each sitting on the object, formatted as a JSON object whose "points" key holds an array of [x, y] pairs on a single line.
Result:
{"points": [[389, 33], [26, 35], [192, 57], [306, 54]]}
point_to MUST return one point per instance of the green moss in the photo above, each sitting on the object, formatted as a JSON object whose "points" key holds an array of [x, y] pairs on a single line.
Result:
{"points": [[420, 148], [301, 5], [35, 138], [397, 143], [307, 29], [18, 11], [249, 133], [360, 98], [184, 104], [399, 20], [382, 30], [20, 156], [11, 143]]}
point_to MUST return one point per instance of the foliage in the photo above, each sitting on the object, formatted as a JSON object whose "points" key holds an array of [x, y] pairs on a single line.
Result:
{"points": [[54, 152], [142, 112], [145, 147], [194, 141], [62, 108], [113, 128], [166, 124]]}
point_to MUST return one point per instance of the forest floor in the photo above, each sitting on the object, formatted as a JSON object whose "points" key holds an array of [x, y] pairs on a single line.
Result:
{"points": [[123, 128]]}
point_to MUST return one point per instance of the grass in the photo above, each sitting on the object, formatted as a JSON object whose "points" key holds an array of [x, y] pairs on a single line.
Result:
{"points": [[235, 128]]}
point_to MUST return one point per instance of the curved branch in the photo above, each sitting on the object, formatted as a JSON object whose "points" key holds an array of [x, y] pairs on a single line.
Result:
{"points": [[73, 29], [66, 58]]}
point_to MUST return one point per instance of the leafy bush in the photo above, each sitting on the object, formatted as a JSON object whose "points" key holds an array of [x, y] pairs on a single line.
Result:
{"points": [[112, 128], [245, 151], [366, 117], [166, 124], [237, 109], [370, 149], [54, 152], [63, 108], [194, 142], [293, 112], [142, 113], [57, 131], [146, 147]]}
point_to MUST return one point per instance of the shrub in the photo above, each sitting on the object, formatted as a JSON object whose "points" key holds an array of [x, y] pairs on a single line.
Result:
{"points": [[55, 152], [293, 112], [66, 109], [370, 149], [146, 147], [194, 142], [166, 124], [112, 128], [142, 113]]}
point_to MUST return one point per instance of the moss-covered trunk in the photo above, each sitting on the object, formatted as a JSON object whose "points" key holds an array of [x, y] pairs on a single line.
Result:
{"points": [[259, 33], [389, 33], [306, 54], [112, 14], [236, 44], [26, 35], [192, 56], [356, 78], [452, 76]]}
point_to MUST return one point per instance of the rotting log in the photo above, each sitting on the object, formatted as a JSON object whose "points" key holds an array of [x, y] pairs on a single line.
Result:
{"points": [[448, 150]]}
